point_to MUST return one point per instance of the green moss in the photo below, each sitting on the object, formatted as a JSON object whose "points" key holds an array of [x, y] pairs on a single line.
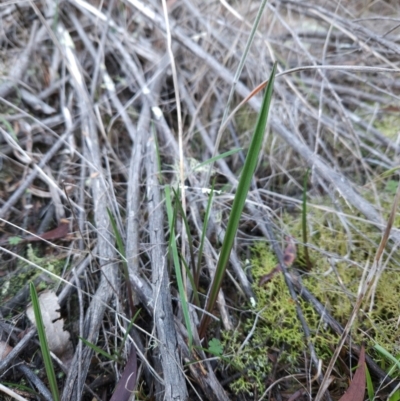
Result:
{"points": [[25, 272], [245, 119], [388, 124], [339, 255]]}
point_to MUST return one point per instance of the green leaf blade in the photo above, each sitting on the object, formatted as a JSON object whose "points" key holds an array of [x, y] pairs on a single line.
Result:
{"points": [[51, 376], [175, 257], [239, 200]]}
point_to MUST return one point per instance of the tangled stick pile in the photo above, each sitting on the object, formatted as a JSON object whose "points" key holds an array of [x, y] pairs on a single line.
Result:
{"points": [[90, 128]]}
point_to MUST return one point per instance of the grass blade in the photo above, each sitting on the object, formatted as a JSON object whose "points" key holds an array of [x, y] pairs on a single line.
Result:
{"points": [[128, 330], [192, 283], [192, 277], [121, 249], [218, 157], [185, 221], [98, 350], [370, 385], [175, 258], [239, 200], [395, 396], [389, 357], [48, 364]]}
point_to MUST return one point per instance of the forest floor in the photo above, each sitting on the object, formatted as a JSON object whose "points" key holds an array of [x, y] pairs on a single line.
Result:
{"points": [[124, 129]]}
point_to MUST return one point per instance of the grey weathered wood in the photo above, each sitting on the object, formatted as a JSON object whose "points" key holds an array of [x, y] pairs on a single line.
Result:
{"points": [[133, 197], [20, 65], [174, 381], [106, 251]]}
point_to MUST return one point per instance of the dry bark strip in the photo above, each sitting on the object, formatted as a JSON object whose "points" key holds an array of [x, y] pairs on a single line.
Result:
{"points": [[21, 65], [6, 362], [104, 292], [133, 197], [174, 381], [106, 253]]}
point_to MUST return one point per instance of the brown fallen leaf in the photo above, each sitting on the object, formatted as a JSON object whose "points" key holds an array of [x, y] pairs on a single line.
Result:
{"points": [[127, 382], [356, 390], [59, 232], [268, 277], [289, 256]]}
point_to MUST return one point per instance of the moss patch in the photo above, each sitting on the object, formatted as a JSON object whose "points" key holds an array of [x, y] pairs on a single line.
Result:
{"points": [[388, 124], [25, 273], [340, 252]]}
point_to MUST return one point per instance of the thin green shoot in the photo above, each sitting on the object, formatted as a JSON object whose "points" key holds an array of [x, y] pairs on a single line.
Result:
{"points": [[189, 235], [48, 363], [132, 321], [386, 174], [395, 396], [174, 250], [192, 283], [10, 129], [203, 235], [98, 350], [239, 201], [218, 157], [121, 249], [370, 385], [21, 387], [304, 222], [388, 356]]}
